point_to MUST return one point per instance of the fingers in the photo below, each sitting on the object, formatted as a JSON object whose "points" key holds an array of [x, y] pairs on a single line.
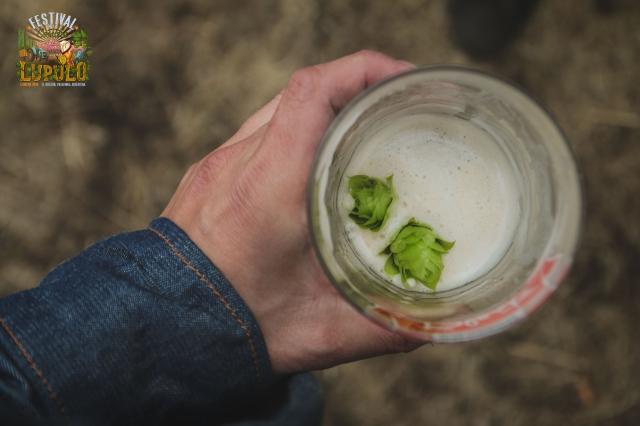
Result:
{"points": [[257, 120], [335, 83], [368, 339], [315, 94]]}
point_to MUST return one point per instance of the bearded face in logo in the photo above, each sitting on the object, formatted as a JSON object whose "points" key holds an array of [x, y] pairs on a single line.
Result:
{"points": [[65, 45], [67, 49]]}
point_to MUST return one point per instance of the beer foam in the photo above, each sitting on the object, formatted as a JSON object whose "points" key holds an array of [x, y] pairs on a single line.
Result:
{"points": [[448, 173]]}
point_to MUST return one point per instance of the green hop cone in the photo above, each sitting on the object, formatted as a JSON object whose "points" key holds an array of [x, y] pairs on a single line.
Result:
{"points": [[416, 252], [372, 198]]}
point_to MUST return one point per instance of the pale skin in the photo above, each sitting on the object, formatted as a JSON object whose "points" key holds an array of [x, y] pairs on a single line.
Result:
{"points": [[244, 206]]}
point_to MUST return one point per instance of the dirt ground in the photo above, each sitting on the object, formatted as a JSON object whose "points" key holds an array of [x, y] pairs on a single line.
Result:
{"points": [[172, 79]]}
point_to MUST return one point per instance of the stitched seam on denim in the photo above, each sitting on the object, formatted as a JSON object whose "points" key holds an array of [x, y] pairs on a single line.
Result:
{"points": [[202, 277], [25, 354]]}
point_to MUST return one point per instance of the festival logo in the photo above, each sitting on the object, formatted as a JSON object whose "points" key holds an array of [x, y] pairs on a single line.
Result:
{"points": [[53, 51]]}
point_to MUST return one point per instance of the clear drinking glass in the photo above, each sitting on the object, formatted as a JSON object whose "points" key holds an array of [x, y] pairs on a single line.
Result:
{"points": [[549, 201]]}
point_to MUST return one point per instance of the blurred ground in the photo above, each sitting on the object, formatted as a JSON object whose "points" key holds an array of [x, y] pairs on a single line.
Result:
{"points": [[172, 80]]}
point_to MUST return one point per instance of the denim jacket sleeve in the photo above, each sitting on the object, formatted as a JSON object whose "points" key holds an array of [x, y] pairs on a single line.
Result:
{"points": [[141, 328]]}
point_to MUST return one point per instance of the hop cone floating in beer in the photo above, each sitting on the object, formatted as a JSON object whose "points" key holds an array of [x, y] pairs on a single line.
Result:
{"points": [[416, 252], [372, 198]]}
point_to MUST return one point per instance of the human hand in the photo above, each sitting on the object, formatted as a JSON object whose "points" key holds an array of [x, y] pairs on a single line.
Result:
{"points": [[244, 206]]}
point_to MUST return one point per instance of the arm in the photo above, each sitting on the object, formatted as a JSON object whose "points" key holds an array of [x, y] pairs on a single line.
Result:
{"points": [[140, 326], [143, 326]]}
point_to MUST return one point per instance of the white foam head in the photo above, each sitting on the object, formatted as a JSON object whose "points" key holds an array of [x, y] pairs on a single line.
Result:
{"points": [[449, 174]]}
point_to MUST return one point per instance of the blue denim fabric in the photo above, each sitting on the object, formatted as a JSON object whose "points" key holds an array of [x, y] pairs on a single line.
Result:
{"points": [[142, 328]]}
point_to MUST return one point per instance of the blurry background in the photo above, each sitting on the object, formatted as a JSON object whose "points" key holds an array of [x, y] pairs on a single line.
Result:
{"points": [[171, 80]]}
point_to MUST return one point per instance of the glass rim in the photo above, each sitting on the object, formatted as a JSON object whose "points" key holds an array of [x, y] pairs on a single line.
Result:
{"points": [[540, 283]]}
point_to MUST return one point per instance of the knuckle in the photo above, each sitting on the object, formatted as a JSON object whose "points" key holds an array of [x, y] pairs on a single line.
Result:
{"points": [[207, 170], [302, 83], [209, 165], [368, 54]]}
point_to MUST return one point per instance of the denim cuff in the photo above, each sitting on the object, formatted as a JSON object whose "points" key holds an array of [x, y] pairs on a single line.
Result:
{"points": [[139, 328], [193, 264]]}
